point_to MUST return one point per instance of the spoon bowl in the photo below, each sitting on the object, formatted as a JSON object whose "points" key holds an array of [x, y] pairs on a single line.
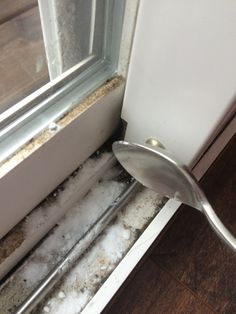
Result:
{"points": [[156, 169]]}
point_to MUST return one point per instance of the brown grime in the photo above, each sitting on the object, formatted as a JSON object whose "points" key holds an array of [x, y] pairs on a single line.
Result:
{"points": [[90, 100], [11, 242]]}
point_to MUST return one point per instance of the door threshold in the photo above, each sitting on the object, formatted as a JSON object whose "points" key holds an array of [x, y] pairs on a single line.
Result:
{"points": [[94, 276]]}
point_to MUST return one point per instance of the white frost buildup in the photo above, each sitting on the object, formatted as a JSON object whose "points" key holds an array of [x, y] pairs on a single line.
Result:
{"points": [[75, 223], [33, 271], [80, 284], [73, 303], [94, 267], [61, 295], [126, 234]]}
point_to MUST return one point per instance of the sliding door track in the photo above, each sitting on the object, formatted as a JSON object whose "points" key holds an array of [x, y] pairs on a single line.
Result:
{"points": [[78, 249]]}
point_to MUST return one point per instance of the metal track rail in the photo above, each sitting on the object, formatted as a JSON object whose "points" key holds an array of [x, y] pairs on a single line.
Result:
{"points": [[77, 250]]}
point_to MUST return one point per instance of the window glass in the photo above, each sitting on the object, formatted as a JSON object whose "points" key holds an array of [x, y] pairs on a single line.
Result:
{"points": [[23, 65], [59, 50], [73, 30], [40, 40]]}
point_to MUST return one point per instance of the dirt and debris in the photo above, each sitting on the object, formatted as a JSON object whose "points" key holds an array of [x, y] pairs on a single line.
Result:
{"points": [[11, 241], [85, 278], [18, 237], [90, 100]]}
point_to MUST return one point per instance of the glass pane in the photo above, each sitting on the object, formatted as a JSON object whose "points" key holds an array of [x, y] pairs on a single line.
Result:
{"points": [[40, 40], [69, 31], [23, 66], [80, 25]]}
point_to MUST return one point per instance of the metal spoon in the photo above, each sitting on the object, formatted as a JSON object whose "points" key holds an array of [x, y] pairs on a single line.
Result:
{"points": [[156, 169]]}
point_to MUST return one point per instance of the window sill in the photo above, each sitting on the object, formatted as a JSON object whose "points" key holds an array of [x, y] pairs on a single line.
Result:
{"points": [[58, 154]]}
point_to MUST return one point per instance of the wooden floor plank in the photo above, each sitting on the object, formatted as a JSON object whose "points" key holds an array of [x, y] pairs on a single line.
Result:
{"points": [[11, 8], [154, 291], [192, 252]]}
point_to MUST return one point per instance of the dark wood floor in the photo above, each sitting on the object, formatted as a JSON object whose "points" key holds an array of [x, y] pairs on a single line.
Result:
{"points": [[189, 270], [23, 66]]}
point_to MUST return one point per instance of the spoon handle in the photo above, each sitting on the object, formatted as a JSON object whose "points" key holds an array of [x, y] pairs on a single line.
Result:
{"points": [[218, 226]]}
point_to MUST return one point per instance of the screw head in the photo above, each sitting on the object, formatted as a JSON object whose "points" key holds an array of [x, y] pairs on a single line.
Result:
{"points": [[153, 141]]}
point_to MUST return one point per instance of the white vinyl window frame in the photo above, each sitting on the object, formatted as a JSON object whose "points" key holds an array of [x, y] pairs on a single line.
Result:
{"points": [[28, 177]]}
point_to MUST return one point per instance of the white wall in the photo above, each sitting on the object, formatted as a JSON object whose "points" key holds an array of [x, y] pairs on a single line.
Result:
{"points": [[182, 76]]}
